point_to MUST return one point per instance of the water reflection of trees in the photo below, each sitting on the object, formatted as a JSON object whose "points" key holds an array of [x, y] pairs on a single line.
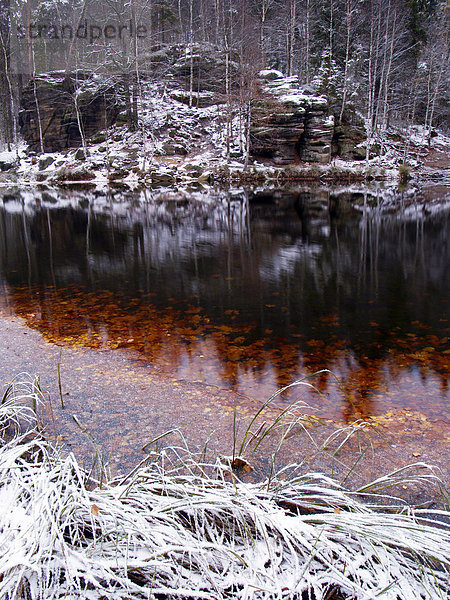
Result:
{"points": [[249, 293]]}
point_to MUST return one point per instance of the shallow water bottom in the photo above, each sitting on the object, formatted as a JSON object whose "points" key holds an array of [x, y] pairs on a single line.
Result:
{"points": [[120, 404]]}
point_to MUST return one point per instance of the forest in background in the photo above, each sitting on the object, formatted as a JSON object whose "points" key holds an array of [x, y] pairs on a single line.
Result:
{"points": [[378, 62]]}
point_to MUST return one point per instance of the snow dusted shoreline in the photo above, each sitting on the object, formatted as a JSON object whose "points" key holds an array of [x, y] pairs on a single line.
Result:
{"points": [[63, 169]]}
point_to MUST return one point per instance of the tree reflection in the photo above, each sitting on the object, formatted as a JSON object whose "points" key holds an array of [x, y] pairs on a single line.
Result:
{"points": [[246, 294]]}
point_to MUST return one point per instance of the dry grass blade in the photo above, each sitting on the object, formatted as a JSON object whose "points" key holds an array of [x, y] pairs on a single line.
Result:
{"points": [[18, 404]]}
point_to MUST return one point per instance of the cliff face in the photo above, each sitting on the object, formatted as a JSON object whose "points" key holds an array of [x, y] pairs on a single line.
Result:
{"points": [[289, 125], [52, 97], [346, 142]]}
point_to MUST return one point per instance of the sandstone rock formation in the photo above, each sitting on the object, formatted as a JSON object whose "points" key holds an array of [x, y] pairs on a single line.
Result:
{"points": [[198, 99], [207, 66], [50, 100], [289, 125], [346, 140]]}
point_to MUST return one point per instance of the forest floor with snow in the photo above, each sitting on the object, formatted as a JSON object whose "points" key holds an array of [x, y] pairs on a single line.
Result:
{"points": [[178, 145]]}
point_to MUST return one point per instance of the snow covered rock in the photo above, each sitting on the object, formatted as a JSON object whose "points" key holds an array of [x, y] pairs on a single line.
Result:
{"points": [[207, 65], [198, 99], [45, 161], [289, 125], [270, 74], [172, 149], [8, 160]]}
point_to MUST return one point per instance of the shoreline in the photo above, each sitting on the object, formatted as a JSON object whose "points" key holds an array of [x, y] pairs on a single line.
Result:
{"points": [[122, 158], [227, 176]]}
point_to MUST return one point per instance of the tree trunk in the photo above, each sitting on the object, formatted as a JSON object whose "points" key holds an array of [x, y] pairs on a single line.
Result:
{"points": [[191, 57], [371, 92], [307, 39], [331, 32], [347, 53], [383, 82], [36, 100], [291, 37], [180, 19], [435, 95], [72, 45], [384, 123], [79, 119], [7, 118]]}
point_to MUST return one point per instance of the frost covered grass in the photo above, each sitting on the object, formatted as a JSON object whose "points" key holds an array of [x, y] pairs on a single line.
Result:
{"points": [[177, 527]]}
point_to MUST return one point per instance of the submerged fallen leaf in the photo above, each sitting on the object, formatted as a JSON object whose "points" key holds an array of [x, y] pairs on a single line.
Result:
{"points": [[240, 464]]}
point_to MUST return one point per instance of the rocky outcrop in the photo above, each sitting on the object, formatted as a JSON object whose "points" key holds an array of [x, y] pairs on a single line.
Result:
{"points": [[347, 140], [198, 99], [208, 67], [315, 144], [276, 131], [289, 125], [48, 104]]}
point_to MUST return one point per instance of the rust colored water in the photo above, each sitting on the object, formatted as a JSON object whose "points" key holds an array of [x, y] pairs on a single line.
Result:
{"points": [[245, 296]]}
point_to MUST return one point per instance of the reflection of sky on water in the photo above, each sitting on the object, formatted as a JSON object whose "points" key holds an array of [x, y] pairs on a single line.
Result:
{"points": [[245, 295]]}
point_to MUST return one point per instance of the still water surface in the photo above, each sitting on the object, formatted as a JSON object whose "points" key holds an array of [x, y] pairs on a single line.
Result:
{"points": [[247, 292]]}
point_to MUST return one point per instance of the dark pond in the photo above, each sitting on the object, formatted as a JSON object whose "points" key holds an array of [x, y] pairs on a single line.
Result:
{"points": [[246, 291]]}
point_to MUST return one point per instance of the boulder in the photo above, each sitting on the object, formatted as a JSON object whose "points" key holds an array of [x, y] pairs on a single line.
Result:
{"points": [[45, 161], [54, 94], [73, 174], [8, 160], [117, 174], [199, 99], [174, 149], [270, 74], [159, 178], [80, 155], [193, 171]]}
